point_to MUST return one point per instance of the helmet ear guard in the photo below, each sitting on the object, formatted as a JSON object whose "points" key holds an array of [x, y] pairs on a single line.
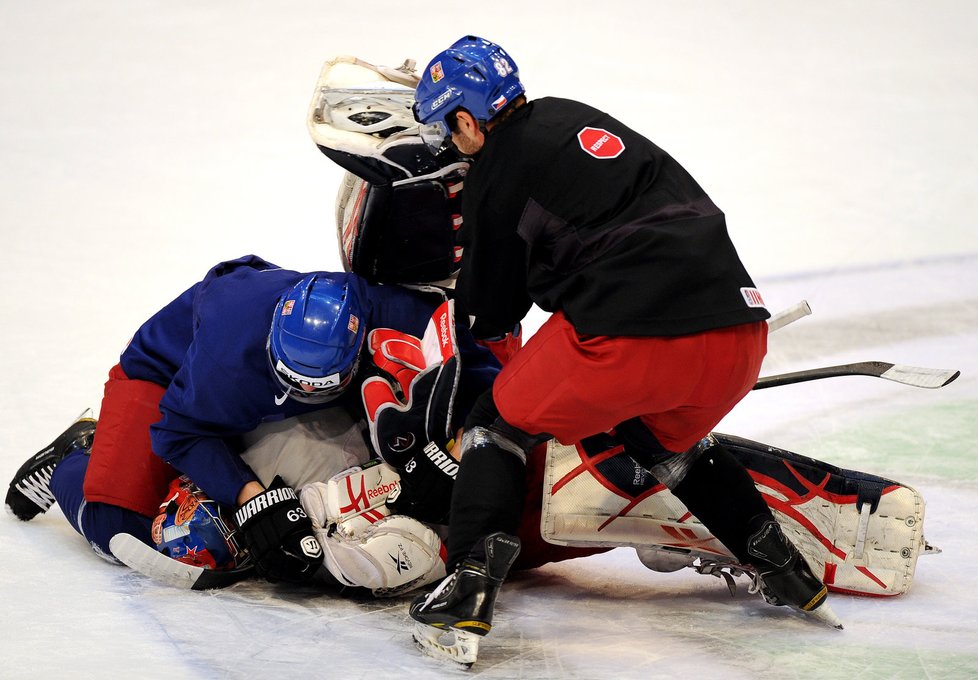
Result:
{"points": [[315, 339]]}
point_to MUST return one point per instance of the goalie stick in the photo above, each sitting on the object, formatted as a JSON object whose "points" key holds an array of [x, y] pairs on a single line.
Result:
{"points": [[915, 376], [140, 557]]}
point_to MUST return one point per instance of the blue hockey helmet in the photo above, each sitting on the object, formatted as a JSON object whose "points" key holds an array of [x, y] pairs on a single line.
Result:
{"points": [[192, 528], [473, 73], [316, 335]]}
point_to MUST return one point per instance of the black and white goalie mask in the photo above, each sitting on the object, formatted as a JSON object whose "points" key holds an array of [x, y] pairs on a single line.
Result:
{"points": [[398, 209]]}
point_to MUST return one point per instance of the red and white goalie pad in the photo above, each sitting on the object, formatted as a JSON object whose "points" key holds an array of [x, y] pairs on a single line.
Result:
{"points": [[364, 545], [860, 533]]}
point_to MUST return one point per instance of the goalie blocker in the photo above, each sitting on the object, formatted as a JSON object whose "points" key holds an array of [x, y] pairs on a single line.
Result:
{"points": [[861, 534]]}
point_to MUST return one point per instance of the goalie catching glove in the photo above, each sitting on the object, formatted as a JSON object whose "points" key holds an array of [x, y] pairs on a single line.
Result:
{"points": [[364, 545], [409, 410], [279, 535]]}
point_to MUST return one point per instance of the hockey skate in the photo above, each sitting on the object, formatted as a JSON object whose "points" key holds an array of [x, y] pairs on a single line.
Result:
{"points": [[30, 490], [454, 616], [784, 577]]}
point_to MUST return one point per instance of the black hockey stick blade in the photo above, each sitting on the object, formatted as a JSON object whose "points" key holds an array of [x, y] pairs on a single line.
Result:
{"points": [[138, 556], [915, 376]]}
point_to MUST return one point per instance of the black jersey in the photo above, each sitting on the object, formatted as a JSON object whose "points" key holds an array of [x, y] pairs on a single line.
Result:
{"points": [[568, 208]]}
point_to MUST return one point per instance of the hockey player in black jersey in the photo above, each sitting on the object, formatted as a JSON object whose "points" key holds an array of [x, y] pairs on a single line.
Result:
{"points": [[657, 330]]}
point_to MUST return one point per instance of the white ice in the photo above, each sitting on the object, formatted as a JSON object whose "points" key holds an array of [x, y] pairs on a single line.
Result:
{"points": [[142, 141]]}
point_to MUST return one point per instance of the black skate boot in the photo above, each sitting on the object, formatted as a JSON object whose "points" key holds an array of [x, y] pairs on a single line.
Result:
{"points": [[784, 577], [30, 490], [462, 604]]}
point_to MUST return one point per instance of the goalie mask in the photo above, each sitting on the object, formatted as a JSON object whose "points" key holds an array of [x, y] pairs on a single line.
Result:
{"points": [[192, 529], [316, 335]]}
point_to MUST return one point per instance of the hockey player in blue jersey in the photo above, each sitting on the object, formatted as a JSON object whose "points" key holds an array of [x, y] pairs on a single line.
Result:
{"points": [[248, 344]]}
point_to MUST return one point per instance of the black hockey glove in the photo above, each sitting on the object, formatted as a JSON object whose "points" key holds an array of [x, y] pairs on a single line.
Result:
{"points": [[279, 535], [409, 410]]}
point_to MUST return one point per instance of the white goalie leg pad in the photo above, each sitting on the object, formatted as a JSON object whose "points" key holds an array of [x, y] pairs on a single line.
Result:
{"points": [[852, 547], [392, 557]]}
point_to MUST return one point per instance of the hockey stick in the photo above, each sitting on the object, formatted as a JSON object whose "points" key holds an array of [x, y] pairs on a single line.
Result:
{"points": [[784, 317], [930, 378], [140, 557]]}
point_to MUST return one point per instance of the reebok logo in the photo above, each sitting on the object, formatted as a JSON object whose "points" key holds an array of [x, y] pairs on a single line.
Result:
{"points": [[382, 490], [443, 328]]}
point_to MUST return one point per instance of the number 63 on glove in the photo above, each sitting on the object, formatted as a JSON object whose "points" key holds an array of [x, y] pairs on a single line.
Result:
{"points": [[409, 411]]}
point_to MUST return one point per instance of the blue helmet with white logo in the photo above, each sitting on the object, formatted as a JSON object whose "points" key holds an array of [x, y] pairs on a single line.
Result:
{"points": [[316, 336], [473, 73]]}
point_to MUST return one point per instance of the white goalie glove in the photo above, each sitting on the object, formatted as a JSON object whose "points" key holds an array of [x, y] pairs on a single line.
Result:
{"points": [[364, 545]]}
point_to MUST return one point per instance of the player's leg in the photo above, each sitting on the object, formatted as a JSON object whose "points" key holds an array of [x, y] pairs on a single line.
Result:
{"points": [[96, 522], [491, 487], [123, 470], [710, 482]]}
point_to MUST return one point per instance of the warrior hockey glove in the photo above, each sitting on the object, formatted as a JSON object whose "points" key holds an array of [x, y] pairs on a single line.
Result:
{"points": [[409, 410], [279, 535]]}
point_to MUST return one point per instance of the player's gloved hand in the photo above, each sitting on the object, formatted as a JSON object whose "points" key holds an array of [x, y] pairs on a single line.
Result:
{"points": [[279, 535], [409, 411]]}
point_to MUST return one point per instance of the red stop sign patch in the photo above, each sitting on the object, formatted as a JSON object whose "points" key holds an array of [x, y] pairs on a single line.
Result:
{"points": [[600, 143]]}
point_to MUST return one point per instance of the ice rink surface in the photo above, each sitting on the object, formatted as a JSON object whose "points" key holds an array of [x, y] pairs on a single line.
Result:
{"points": [[143, 142]]}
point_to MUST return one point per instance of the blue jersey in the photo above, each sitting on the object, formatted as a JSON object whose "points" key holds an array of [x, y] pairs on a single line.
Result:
{"points": [[208, 349]]}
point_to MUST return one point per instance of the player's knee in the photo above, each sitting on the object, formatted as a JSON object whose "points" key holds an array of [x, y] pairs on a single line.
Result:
{"points": [[669, 467], [486, 427]]}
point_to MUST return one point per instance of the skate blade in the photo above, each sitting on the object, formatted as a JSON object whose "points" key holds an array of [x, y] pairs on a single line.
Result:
{"points": [[825, 615], [446, 644]]}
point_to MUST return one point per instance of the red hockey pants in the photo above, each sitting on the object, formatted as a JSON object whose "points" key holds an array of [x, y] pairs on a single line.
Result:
{"points": [[573, 386]]}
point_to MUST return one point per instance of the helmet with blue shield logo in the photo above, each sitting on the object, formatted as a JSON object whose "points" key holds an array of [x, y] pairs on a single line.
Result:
{"points": [[473, 73], [316, 337]]}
